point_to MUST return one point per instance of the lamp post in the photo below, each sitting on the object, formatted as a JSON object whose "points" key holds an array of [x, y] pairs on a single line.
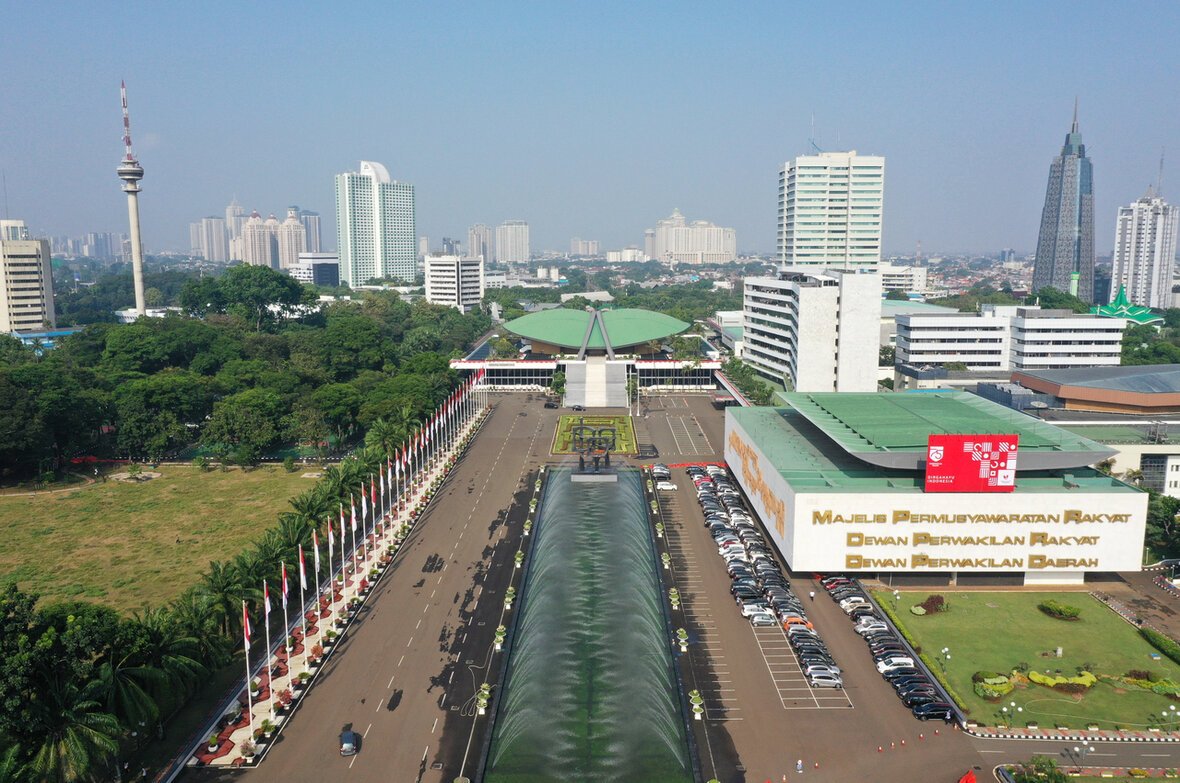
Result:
{"points": [[896, 598], [944, 658]]}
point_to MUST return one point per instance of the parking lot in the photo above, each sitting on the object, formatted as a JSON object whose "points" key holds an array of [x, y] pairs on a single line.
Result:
{"points": [[761, 716]]}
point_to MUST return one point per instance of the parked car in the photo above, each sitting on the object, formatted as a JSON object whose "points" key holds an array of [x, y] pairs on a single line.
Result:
{"points": [[578, 407], [825, 681], [667, 486], [939, 710], [758, 619], [551, 404], [893, 664], [897, 674], [350, 742]]}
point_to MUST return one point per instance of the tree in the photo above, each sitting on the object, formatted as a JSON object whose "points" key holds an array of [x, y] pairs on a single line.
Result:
{"points": [[339, 404], [223, 591], [75, 736], [122, 688], [887, 356], [1052, 299], [245, 425], [503, 348], [897, 295], [557, 383], [258, 295], [383, 435]]}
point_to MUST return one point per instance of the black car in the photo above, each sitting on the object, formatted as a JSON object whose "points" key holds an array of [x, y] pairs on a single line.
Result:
{"points": [[912, 680], [914, 699], [899, 672], [935, 710], [578, 407], [551, 404]]}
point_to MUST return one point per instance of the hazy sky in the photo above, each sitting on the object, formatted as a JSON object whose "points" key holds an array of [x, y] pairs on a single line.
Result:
{"points": [[589, 119]]}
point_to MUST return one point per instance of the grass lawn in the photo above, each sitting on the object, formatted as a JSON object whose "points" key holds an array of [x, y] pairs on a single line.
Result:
{"points": [[130, 545], [624, 432], [997, 631]]}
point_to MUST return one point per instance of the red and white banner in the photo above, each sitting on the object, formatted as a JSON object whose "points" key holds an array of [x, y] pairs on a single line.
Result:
{"points": [[971, 463]]}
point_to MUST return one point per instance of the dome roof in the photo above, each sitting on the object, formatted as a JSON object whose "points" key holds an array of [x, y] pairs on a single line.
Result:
{"points": [[614, 329]]}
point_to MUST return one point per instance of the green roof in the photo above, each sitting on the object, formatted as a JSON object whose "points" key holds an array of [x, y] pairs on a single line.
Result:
{"points": [[567, 328], [890, 429], [1121, 307], [1116, 434], [810, 461]]}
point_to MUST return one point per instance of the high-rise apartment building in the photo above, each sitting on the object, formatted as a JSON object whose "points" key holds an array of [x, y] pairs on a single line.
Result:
{"points": [[451, 247], [1065, 245], [26, 280], [512, 242], [583, 247], [1145, 251], [291, 238], [674, 240], [235, 218], [454, 282], [311, 227], [375, 226], [423, 247], [213, 240], [480, 242], [830, 207], [814, 330], [259, 246]]}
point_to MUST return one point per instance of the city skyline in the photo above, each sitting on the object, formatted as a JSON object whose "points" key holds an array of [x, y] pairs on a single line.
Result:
{"points": [[969, 177]]}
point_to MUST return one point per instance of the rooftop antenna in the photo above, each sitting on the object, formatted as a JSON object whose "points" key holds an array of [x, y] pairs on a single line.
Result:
{"points": [[811, 139], [1159, 180], [1075, 115]]}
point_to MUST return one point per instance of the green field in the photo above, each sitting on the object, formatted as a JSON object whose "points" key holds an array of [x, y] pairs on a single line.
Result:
{"points": [[130, 545], [997, 631], [624, 432]]}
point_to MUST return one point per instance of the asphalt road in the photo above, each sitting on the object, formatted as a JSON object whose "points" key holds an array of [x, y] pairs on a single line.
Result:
{"points": [[406, 675]]}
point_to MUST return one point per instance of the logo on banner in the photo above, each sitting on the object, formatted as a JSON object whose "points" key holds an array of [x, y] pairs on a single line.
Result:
{"points": [[971, 463]]}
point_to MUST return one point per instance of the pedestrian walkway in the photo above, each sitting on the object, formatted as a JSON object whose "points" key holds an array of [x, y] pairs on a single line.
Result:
{"points": [[242, 735]]}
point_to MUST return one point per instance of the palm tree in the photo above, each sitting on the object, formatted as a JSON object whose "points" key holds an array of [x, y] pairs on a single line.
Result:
{"points": [[194, 618], [11, 770], [123, 690], [384, 436], [293, 532], [166, 648], [223, 589], [311, 506], [257, 564], [76, 735]]}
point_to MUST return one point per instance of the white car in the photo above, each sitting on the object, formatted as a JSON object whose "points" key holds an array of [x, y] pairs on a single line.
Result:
{"points": [[762, 618], [666, 486], [754, 607], [871, 627], [897, 662]]}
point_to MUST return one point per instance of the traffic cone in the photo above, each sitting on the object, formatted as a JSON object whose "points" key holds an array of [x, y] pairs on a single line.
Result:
{"points": [[903, 743], [817, 765], [880, 749], [892, 745], [921, 736], [936, 732]]}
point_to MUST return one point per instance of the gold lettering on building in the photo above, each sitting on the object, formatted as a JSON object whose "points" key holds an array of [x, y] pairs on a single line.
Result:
{"points": [[756, 485]]}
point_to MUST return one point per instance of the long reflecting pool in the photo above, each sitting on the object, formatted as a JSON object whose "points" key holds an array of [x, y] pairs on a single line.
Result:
{"points": [[590, 693]]}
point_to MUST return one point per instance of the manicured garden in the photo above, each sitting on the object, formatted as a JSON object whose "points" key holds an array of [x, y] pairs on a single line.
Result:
{"points": [[1001, 652], [135, 543], [624, 432]]}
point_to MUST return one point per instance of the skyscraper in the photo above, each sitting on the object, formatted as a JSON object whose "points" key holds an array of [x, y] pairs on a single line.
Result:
{"points": [[235, 218], [1145, 251], [291, 239], [1065, 246], [480, 242], [259, 241], [311, 226], [374, 225], [512, 242], [26, 280], [829, 210], [674, 240]]}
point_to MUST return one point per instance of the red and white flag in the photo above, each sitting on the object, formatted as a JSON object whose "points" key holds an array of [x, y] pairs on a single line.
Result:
{"points": [[315, 542], [331, 542], [397, 464], [364, 511], [266, 599], [352, 505], [302, 570], [284, 583], [246, 626]]}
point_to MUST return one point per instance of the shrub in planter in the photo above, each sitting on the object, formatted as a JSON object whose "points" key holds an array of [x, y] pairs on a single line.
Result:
{"points": [[317, 652], [248, 749], [1086, 680], [918, 610], [1058, 610], [304, 677], [213, 743], [991, 685]]}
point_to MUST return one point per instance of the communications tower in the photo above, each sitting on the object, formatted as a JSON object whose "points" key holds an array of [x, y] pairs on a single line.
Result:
{"points": [[131, 173]]}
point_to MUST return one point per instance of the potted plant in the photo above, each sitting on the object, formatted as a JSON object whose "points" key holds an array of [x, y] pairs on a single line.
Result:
{"points": [[659, 530], [682, 637], [509, 597], [374, 573], [364, 585], [501, 633], [528, 525], [213, 743], [254, 686], [666, 559], [284, 699], [268, 728], [302, 678], [248, 750], [519, 558], [317, 654], [330, 636], [483, 697]]}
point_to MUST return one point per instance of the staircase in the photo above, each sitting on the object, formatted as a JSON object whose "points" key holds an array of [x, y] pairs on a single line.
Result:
{"points": [[596, 382], [616, 385]]}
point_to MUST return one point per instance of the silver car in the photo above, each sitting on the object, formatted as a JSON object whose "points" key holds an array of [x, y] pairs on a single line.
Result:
{"points": [[824, 681]]}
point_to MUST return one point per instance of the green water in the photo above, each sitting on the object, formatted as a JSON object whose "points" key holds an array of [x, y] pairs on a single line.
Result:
{"points": [[590, 693]]}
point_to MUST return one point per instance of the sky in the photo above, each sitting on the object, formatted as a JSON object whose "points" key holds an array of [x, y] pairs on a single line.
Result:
{"points": [[585, 119]]}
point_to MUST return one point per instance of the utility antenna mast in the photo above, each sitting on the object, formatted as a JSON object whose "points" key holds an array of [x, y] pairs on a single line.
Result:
{"points": [[131, 173]]}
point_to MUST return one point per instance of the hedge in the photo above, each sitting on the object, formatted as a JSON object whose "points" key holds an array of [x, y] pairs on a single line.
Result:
{"points": [[1164, 644], [1085, 680], [1059, 610]]}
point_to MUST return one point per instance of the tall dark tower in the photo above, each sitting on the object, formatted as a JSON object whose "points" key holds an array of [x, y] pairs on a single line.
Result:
{"points": [[1065, 247], [131, 173]]}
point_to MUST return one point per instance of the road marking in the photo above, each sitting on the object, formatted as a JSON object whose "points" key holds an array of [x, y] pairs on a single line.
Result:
{"points": [[378, 706], [425, 752], [425, 608], [435, 726], [411, 641], [399, 663], [390, 685], [366, 734], [432, 592], [419, 625]]}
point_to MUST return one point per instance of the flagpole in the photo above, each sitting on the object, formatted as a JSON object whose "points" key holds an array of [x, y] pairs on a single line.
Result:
{"points": [[343, 572], [352, 529], [266, 622], [303, 607], [246, 645], [286, 620]]}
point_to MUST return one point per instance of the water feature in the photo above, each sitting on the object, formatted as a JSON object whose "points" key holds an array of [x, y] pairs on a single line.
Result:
{"points": [[590, 694]]}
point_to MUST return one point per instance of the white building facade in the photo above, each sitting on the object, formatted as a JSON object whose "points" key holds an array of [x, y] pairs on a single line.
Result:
{"points": [[26, 280], [291, 238], [1001, 338], [453, 281], [675, 240], [512, 242], [259, 246], [812, 330], [1145, 251], [480, 242], [375, 226], [830, 207]]}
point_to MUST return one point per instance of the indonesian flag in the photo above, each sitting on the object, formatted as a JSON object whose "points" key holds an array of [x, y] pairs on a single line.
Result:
{"points": [[246, 626], [397, 465], [284, 583], [373, 491], [331, 543], [352, 505], [266, 599], [364, 509], [302, 570], [315, 541]]}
